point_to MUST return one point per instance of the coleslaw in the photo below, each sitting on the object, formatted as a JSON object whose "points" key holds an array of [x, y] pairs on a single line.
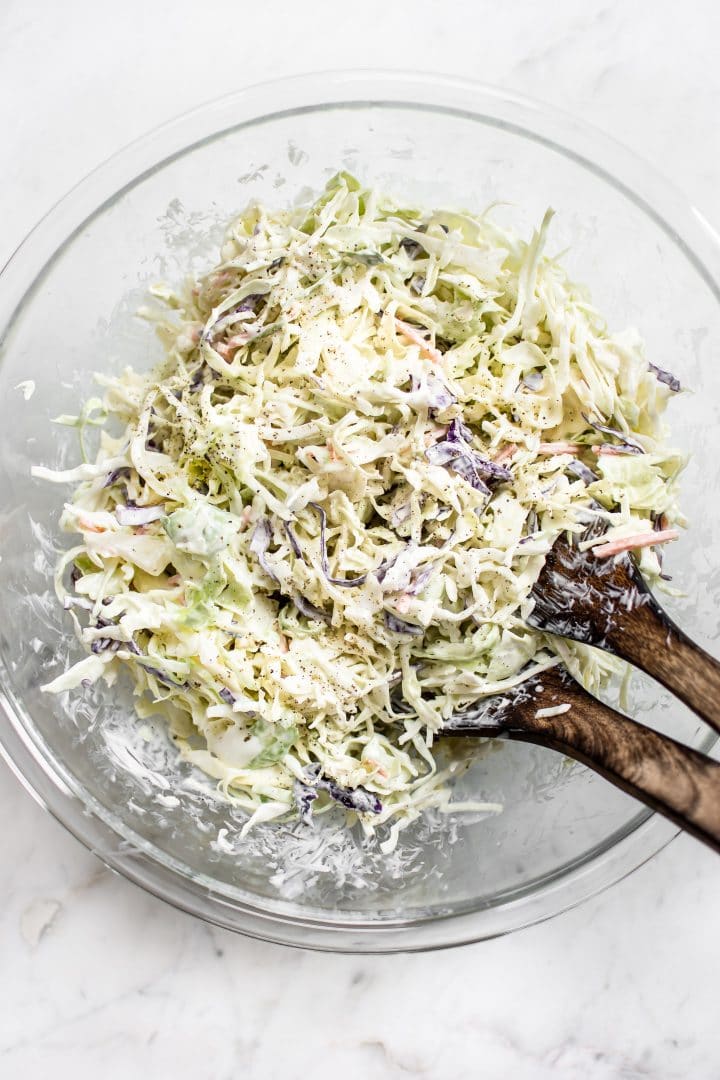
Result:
{"points": [[314, 534]]}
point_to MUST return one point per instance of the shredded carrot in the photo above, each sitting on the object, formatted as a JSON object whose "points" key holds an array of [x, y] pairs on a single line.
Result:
{"points": [[558, 448], [90, 526], [416, 338], [630, 543], [237, 340], [227, 349], [506, 452]]}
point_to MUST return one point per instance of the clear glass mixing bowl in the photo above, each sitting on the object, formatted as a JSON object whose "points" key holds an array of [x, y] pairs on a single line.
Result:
{"points": [[67, 304]]}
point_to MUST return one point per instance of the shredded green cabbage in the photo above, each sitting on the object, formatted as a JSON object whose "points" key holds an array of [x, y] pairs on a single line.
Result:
{"points": [[317, 535]]}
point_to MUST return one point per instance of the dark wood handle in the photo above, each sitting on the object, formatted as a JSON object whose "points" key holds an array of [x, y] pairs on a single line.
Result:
{"points": [[678, 782], [651, 641]]}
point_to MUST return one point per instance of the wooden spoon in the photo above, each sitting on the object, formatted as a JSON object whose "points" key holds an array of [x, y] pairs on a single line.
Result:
{"points": [[680, 783], [605, 602]]}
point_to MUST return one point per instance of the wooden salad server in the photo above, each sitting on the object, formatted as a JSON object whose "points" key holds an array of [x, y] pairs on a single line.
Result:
{"points": [[552, 709], [605, 602]]}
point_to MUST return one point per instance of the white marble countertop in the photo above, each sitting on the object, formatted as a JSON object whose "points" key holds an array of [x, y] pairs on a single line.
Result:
{"points": [[99, 978]]}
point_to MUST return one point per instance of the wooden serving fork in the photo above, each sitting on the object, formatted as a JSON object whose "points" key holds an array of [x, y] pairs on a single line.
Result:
{"points": [[606, 603], [553, 710]]}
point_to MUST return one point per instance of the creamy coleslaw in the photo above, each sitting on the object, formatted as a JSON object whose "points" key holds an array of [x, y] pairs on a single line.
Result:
{"points": [[313, 534]]}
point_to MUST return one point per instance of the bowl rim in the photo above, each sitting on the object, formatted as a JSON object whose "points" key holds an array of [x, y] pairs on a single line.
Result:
{"points": [[34, 764]]}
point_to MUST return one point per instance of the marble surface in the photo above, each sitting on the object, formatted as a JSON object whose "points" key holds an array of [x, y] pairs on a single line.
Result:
{"points": [[98, 978]]}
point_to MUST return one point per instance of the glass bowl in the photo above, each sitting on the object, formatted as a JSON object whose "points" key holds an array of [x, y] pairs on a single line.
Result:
{"points": [[67, 305]]}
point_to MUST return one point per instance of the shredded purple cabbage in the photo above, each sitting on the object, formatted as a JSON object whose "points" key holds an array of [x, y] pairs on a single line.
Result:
{"points": [[227, 695], [199, 377], [402, 513], [163, 678], [627, 445], [344, 583], [413, 580], [259, 544], [297, 550], [304, 797], [310, 611], [359, 799], [533, 380], [248, 303], [153, 439], [105, 645], [114, 645], [455, 452], [100, 645], [383, 568], [440, 514], [582, 472], [453, 457], [420, 579], [492, 473], [139, 515], [399, 626], [352, 798], [439, 396], [115, 475], [665, 377], [458, 432]]}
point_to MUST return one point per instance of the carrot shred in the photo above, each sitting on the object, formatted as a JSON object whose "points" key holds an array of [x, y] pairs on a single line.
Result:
{"points": [[416, 338], [506, 452], [89, 526], [631, 543]]}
